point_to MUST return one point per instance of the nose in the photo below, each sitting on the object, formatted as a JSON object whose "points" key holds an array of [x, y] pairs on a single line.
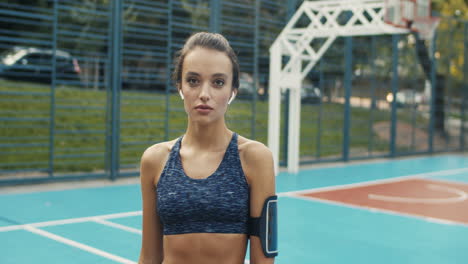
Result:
{"points": [[205, 92]]}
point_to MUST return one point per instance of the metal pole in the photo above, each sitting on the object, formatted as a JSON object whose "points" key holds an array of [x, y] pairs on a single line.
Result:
{"points": [[373, 106], [255, 73], [465, 92], [286, 127], [168, 69], [320, 112], [433, 93], [393, 128], [447, 97], [109, 82], [274, 99], [52, 93], [108, 150], [347, 87], [116, 81], [291, 9], [215, 14]]}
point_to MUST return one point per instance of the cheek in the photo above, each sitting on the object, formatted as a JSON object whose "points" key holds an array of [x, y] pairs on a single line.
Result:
{"points": [[190, 94], [224, 98]]}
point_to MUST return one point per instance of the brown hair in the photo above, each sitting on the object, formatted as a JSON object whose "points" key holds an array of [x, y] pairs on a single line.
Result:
{"points": [[206, 40]]}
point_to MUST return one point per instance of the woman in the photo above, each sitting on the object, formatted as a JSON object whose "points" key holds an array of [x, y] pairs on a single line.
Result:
{"points": [[199, 190]]}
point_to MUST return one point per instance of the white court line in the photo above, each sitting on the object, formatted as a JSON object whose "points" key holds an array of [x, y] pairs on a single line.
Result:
{"points": [[283, 194], [118, 226], [98, 219], [86, 247], [374, 182], [77, 245], [297, 195], [101, 218], [70, 221], [376, 210], [461, 196]]}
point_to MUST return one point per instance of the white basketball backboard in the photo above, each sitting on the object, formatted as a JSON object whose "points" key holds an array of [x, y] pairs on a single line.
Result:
{"points": [[402, 13], [412, 14]]}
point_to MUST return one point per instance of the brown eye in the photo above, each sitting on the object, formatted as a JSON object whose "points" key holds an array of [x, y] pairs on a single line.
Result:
{"points": [[219, 82], [192, 81]]}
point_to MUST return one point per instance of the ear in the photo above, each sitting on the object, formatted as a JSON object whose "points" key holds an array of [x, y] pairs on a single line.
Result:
{"points": [[233, 95], [181, 94]]}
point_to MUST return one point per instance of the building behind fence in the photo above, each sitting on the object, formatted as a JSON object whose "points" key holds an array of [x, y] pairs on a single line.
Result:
{"points": [[85, 86]]}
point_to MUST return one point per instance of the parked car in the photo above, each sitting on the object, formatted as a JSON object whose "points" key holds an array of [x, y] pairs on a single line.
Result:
{"points": [[34, 64], [310, 95], [246, 85], [406, 98]]}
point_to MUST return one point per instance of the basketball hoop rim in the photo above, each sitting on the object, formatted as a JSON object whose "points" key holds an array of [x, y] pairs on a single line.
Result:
{"points": [[418, 20], [395, 25], [425, 26], [424, 20]]}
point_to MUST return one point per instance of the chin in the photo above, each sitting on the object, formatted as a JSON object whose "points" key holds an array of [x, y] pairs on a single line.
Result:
{"points": [[205, 120]]}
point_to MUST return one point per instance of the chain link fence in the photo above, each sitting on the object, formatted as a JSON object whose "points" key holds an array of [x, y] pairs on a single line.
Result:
{"points": [[85, 87]]}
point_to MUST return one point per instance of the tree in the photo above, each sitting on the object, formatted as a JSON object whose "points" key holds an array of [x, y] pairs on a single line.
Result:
{"points": [[450, 32], [450, 41]]}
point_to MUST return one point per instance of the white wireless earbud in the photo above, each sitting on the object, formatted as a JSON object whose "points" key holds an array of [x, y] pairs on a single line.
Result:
{"points": [[181, 94], [232, 97]]}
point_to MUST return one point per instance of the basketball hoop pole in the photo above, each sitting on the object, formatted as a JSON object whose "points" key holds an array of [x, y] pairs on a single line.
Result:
{"points": [[426, 29], [294, 43], [366, 18]]}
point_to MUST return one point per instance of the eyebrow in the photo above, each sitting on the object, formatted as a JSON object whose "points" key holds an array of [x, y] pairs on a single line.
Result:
{"points": [[192, 73], [214, 75], [220, 75]]}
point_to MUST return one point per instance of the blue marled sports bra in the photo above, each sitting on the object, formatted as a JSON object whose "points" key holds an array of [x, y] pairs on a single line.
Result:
{"points": [[217, 204]]}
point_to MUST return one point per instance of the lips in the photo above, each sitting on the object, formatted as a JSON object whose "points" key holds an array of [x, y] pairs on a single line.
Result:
{"points": [[204, 107]]}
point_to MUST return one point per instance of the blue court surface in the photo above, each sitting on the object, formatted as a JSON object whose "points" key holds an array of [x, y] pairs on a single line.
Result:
{"points": [[103, 224]]}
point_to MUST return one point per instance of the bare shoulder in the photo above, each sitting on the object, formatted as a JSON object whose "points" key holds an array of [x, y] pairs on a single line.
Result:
{"points": [[256, 159], [253, 151], [153, 160], [157, 150]]}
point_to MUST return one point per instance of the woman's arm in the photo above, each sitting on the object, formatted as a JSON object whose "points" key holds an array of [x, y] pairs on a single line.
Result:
{"points": [[259, 170], [152, 241]]}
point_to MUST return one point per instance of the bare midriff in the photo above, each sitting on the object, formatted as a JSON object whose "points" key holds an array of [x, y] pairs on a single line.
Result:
{"points": [[205, 248]]}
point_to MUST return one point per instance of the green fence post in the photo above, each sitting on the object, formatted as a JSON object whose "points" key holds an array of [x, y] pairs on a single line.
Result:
{"points": [[116, 61], [393, 128], [255, 68], [465, 91], [433, 93], [291, 8], [215, 13], [168, 69], [52, 93], [320, 112], [373, 83], [347, 86]]}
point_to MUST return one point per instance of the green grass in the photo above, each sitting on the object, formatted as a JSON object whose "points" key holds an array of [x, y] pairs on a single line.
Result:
{"points": [[82, 126], [455, 115], [331, 126]]}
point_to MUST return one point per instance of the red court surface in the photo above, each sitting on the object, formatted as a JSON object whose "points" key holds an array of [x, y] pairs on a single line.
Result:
{"points": [[447, 201]]}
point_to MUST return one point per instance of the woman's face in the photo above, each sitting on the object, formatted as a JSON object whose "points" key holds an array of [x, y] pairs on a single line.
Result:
{"points": [[206, 84]]}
